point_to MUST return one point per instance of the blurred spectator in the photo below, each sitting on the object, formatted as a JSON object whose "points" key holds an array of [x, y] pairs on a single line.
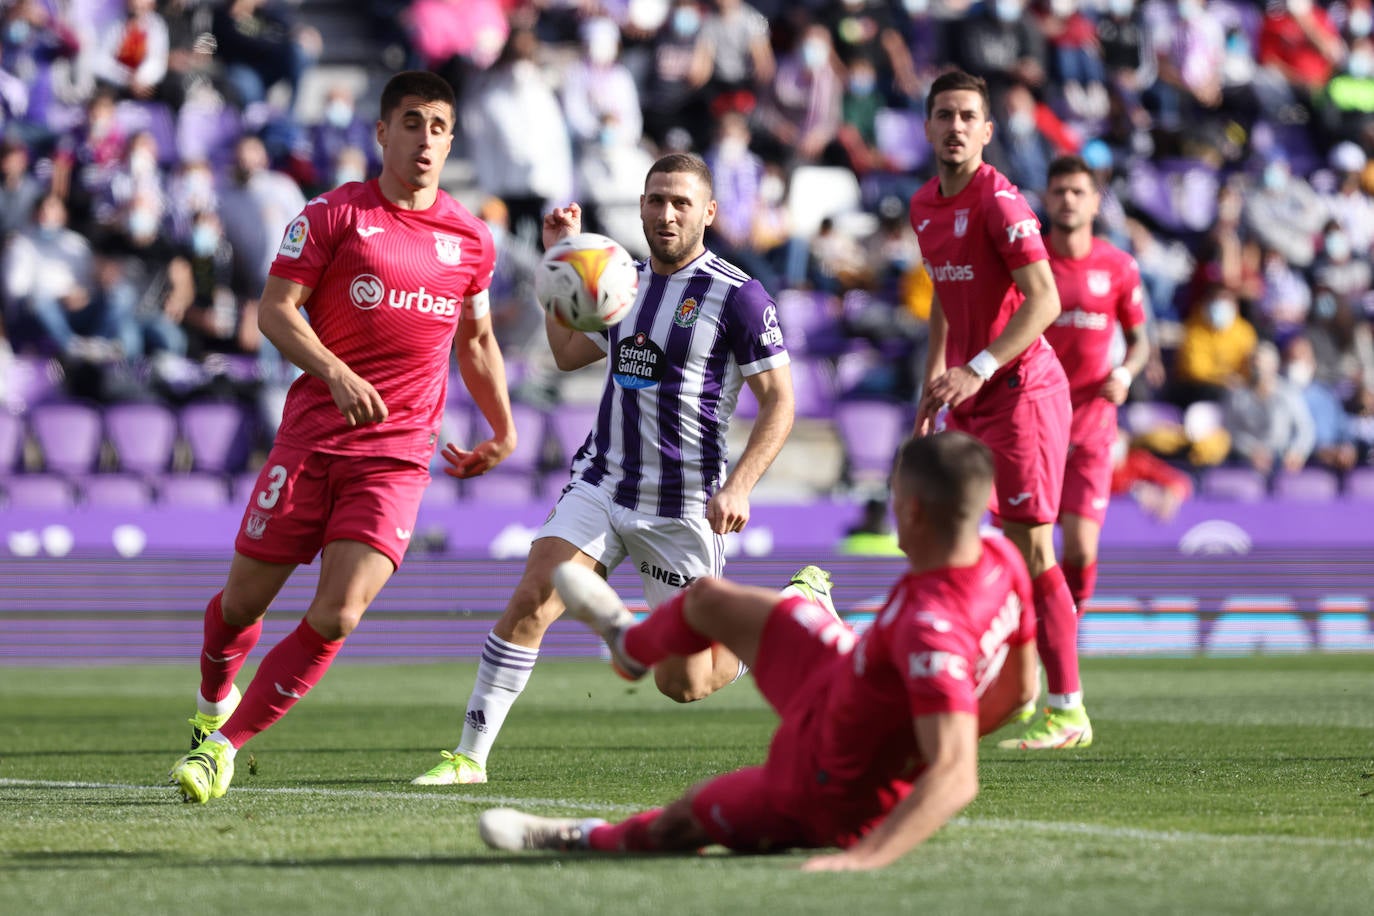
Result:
{"points": [[1361, 418], [871, 535], [1348, 203], [1283, 305], [1336, 267], [1333, 446], [800, 116], [256, 207], [1158, 487], [838, 263], [1001, 44], [342, 127], [190, 192], [859, 109], [1189, 45], [610, 180], [133, 51], [136, 186], [14, 105], [1215, 351], [444, 33], [1300, 48], [349, 164], [1226, 256], [19, 190], [1348, 100], [90, 156], [516, 316], [867, 31], [736, 39], [519, 142], [598, 92], [1270, 425], [1022, 151], [1343, 342], [1284, 213], [673, 96], [925, 31], [215, 321], [49, 274], [1165, 264], [1076, 56], [1128, 67], [260, 44], [738, 174]]}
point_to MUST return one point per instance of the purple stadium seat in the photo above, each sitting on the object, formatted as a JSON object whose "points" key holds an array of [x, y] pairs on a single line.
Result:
{"points": [[1359, 483], [116, 491], [530, 426], [1234, 483], [809, 321], [500, 486], [901, 136], [442, 490], [569, 424], [33, 380], [218, 434], [1308, 485], [813, 386], [69, 434], [195, 489], [551, 484], [40, 491], [144, 436], [207, 133], [870, 432], [11, 441], [243, 487], [455, 427]]}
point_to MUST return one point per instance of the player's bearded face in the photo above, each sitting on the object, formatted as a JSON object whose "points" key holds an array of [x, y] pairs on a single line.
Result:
{"points": [[1072, 201], [957, 127], [675, 209]]}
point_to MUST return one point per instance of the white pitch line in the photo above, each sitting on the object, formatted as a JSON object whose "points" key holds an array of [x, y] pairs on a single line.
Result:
{"points": [[977, 823]]}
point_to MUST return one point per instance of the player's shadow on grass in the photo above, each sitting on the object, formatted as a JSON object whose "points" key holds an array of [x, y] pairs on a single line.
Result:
{"points": [[93, 859]]}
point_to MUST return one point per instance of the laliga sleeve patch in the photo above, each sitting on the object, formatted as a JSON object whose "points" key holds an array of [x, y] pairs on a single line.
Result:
{"points": [[477, 306], [293, 242]]}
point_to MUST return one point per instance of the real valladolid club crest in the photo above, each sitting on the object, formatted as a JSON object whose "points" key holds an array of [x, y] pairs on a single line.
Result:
{"points": [[1099, 282], [687, 311], [960, 223], [449, 248]]}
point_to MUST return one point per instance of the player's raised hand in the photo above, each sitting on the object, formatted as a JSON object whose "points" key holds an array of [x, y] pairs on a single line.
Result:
{"points": [[561, 222], [464, 463], [356, 399], [727, 511]]}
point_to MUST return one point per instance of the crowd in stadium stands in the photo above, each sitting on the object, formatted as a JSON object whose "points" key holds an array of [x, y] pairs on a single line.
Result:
{"points": [[154, 150]]}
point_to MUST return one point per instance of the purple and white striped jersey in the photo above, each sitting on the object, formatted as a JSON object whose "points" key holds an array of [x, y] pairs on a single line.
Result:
{"points": [[675, 366]]}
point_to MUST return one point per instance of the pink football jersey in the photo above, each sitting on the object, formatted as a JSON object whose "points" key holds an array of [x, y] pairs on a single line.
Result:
{"points": [[939, 641], [388, 289], [1097, 292], [971, 243]]}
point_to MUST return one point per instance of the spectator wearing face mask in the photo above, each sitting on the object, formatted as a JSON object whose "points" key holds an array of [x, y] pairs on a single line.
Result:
{"points": [[48, 274], [867, 30], [1284, 300], [1270, 426], [19, 189], [673, 97], [1336, 268], [1347, 202], [1343, 341], [1021, 151], [1215, 350], [1333, 447], [1300, 49], [801, 115], [1001, 45], [737, 173], [736, 40], [215, 320], [598, 90], [340, 128], [1284, 213], [1349, 96]]}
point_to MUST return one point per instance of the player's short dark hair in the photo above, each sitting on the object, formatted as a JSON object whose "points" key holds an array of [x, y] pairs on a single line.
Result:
{"points": [[950, 474], [684, 162], [1070, 165], [955, 80], [428, 87]]}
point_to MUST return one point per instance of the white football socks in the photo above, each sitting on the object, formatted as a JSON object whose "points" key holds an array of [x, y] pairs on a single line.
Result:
{"points": [[502, 674]]}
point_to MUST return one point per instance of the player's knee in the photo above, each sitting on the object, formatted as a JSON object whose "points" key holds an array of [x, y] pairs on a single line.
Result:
{"points": [[704, 598], [334, 624], [682, 686], [238, 613]]}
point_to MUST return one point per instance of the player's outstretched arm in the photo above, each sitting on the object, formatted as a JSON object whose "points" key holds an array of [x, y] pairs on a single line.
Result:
{"points": [[484, 374], [949, 742], [728, 509], [280, 321]]}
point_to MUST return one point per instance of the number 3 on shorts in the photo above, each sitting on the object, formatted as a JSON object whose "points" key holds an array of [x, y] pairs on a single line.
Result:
{"points": [[276, 478]]}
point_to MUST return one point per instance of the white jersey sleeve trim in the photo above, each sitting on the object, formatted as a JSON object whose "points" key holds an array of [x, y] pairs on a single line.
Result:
{"points": [[478, 306], [600, 339], [763, 365]]}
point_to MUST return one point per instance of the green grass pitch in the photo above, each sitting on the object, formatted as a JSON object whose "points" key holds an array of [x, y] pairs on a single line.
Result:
{"points": [[1215, 786]]}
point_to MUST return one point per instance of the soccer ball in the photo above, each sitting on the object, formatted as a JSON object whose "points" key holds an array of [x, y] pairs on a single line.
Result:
{"points": [[587, 282]]}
